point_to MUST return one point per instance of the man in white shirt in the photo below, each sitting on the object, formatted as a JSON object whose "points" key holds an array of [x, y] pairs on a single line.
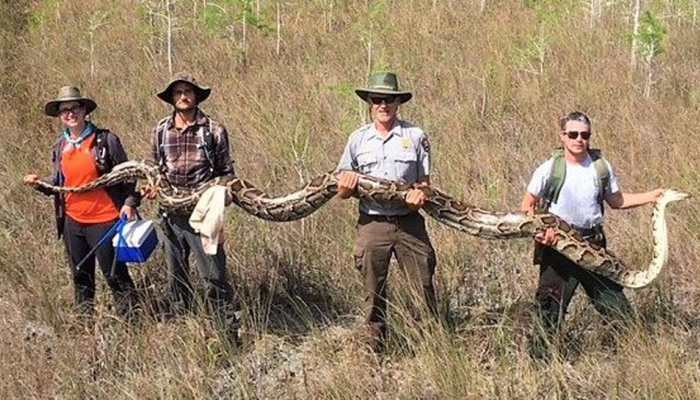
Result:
{"points": [[585, 182]]}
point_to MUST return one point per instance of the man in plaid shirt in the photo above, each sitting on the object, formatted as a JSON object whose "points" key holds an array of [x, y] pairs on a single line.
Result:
{"points": [[191, 149]]}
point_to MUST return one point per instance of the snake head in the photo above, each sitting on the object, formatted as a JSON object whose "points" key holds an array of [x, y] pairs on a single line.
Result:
{"points": [[670, 195]]}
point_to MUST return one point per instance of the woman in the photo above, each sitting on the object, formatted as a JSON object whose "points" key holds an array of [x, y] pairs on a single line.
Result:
{"points": [[82, 153]]}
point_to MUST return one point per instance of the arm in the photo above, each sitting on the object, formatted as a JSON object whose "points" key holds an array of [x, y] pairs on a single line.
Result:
{"points": [[528, 205], [32, 179], [348, 178], [223, 164], [155, 151], [148, 191], [416, 198], [132, 198], [619, 200]]}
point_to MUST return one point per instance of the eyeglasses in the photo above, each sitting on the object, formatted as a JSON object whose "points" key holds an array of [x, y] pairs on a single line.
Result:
{"points": [[74, 110], [376, 100], [585, 135]]}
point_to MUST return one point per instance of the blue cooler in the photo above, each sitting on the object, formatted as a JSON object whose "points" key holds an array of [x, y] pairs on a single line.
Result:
{"points": [[135, 240]]}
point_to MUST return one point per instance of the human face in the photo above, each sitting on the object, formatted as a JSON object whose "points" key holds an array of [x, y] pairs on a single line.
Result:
{"points": [[384, 108], [184, 97], [577, 146], [72, 114]]}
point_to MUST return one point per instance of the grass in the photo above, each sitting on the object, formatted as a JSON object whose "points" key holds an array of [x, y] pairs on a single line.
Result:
{"points": [[491, 108]]}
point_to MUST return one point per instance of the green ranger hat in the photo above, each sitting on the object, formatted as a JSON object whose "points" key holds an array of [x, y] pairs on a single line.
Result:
{"points": [[383, 83]]}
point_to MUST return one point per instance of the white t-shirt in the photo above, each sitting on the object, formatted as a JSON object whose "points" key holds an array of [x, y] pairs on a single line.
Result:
{"points": [[578, 200]]}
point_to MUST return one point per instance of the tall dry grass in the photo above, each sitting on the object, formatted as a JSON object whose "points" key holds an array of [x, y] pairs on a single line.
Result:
{"points": [[488, 97]]}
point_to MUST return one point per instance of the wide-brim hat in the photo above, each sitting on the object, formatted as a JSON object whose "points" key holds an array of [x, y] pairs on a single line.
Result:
{"points": [[383, 83], [66, 94], [202, 92]]}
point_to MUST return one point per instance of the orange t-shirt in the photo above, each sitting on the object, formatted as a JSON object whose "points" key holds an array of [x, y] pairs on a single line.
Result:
{"points": [[79, 168]]}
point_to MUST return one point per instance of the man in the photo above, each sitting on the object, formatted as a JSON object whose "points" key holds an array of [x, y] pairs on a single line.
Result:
{"points": [[191, 148], [392, 149], [573, 185]]}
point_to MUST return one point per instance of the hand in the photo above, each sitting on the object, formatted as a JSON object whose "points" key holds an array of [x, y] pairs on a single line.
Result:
{"points": [[128, 212], [149, 191], [31, 180], [548, 238], [347, 183], [415, 199], [655, 194]]}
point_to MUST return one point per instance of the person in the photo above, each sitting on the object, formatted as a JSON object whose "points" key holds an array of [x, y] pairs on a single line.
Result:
{"points": [[573, 185], [393, 149], [191, 148], [81, 154]]}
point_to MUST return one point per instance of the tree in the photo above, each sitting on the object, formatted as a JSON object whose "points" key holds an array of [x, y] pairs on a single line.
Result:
{"points": [[650, 38]]}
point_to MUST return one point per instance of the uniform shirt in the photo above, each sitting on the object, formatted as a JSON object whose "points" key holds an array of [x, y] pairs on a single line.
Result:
{"points": [[185, 160], [578, 200], [403, 156]]}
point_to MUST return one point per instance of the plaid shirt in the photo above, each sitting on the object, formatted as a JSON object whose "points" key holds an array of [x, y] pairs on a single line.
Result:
{"points": [[185, 161]]}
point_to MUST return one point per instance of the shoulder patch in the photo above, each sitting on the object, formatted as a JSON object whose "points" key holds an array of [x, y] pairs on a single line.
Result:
{"points": [[425, 143]]}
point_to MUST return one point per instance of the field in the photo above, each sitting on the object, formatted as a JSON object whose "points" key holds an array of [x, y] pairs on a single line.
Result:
{"points": [[490, 80]]}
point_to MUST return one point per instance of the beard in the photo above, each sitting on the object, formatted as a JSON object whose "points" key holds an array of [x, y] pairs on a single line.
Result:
{"points": [[185, 108]]}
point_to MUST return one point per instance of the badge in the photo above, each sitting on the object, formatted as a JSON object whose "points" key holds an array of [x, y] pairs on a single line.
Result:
{"points": [[425, 143], [406, 143]]}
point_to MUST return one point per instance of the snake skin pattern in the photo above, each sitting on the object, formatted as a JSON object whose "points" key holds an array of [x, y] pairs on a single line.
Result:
{"points": [[439, 205]]}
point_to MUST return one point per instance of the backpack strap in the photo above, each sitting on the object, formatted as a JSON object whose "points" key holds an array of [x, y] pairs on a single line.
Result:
{"points": [[101, 150], [160, 134], [603, 173], [557, 175], [209, 145], [555, 181]]}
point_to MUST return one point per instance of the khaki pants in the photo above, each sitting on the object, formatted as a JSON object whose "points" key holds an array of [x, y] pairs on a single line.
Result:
{"points": [[405, 237]]}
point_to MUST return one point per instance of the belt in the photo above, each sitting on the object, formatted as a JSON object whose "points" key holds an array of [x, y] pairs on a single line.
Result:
{"points": [[387, 218], [589, 232]]}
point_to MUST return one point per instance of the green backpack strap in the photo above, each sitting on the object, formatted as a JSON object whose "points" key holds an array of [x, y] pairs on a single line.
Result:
{"points": [[557, 175], [603, 173], [555, 181]]}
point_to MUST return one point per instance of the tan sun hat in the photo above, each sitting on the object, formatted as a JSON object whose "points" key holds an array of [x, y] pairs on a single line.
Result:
{"points": [[66, 94], [202, 92], [383, 83]]}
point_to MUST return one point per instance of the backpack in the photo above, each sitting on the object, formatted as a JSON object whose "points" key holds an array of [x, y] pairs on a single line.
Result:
{"points": [[102, 160], [207, 143], [100, 148], [557, 175]]}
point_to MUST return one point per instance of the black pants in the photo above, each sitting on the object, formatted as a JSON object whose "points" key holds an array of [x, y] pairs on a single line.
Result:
{"points": [[79, 239], [179, 239], [559, 278]]}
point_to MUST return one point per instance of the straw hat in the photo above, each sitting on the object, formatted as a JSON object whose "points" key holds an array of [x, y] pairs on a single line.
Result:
{"points": [[66, 94]]}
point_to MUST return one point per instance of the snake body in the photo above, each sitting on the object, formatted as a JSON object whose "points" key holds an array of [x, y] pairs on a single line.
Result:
{"points": [[439, 205]]}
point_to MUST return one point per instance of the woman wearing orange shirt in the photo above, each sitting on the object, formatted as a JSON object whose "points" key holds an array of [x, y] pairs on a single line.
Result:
{"points": [[82, 153]]}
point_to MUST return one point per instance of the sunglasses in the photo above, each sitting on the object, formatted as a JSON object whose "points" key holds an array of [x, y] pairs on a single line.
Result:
{"points": [[585, 135], [382, 99], [74, 110]]}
